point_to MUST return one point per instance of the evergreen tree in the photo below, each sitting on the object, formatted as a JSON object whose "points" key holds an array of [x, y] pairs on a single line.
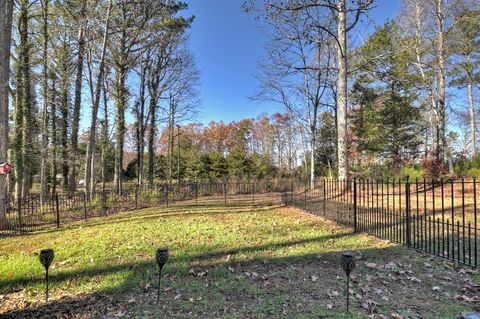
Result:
{"points": [[386, 122]]}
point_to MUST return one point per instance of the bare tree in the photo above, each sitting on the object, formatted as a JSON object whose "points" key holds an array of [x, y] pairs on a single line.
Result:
{"points": [[465, 45], [44, 151], [441, 33], [297, 70], [78, 95], [182, 95], [319, 20], [89, 162], [431, 24]]}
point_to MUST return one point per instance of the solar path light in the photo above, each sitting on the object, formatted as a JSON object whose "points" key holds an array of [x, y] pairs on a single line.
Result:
{"points": [[46, 257], [162, 257], [348, 264]]}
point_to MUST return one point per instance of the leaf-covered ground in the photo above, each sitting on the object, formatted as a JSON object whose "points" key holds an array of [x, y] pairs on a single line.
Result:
{"points": [[226, 262]]}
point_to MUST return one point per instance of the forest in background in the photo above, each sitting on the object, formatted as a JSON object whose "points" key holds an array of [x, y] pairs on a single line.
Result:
{"points": [[403, 101]]}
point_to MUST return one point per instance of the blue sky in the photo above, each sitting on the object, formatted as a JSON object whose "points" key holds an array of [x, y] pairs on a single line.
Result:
{"points": [[228, 44]]}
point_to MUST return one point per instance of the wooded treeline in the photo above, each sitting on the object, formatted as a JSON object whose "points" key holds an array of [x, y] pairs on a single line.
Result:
{"points": [[80, 71], [266, 147], [394, 101]]}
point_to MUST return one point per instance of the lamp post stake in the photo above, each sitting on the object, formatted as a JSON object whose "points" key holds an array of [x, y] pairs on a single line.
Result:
{"points": [[46, 257], [161, 257], [348, 264]]}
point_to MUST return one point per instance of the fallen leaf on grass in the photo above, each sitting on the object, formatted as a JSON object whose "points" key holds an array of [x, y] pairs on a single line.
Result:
{"points": [[120, 313], [414, 279], [371, 265], [466, 298], [390, 265], [198, 274]]}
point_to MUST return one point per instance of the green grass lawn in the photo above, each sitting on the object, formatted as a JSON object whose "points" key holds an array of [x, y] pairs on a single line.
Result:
{"points": [[226, 262]]}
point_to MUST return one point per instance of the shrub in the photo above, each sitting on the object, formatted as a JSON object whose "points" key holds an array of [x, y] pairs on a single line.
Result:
{"points": [[411, 171], [433, 166]]}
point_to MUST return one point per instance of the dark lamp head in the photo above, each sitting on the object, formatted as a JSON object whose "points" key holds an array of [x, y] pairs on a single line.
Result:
{"points": [[348, 262], [46, 257], [162, 257]]}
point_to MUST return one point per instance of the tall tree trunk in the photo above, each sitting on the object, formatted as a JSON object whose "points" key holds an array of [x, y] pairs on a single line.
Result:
{"points": [[141, 123], [53, 118], [17, 156], [312, 159], [23, 116], [444, 149], [104, 138], [89, 162], [28, 132], [171, 123], [6, 12], [65, 86], [120, 128], [304, 147], [72, 178], [425, 81], [151, 140], [342, 92], [472, 117], [44, 150]]}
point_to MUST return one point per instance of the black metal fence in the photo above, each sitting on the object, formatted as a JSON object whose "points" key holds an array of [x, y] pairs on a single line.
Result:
{"points": [[438, 217], [434, 216], [25, 215]]}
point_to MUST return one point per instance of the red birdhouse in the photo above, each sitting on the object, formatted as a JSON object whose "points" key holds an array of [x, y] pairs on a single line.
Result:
{"points": [[5, 168]]}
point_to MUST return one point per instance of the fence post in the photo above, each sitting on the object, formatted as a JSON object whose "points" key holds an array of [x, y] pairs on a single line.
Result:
{"points": [[355, 204], [85, 205], [408, 234], [19, 208], [324, 197], [57, 210]]}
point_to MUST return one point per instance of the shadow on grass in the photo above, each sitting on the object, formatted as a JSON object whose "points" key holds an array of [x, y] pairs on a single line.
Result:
{"points": [[98, 304], [287, 285], [164, 212], [140, 267]]}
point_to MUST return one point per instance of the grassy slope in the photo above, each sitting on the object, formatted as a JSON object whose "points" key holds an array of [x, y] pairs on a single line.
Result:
{"points": [[225, 262]]}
